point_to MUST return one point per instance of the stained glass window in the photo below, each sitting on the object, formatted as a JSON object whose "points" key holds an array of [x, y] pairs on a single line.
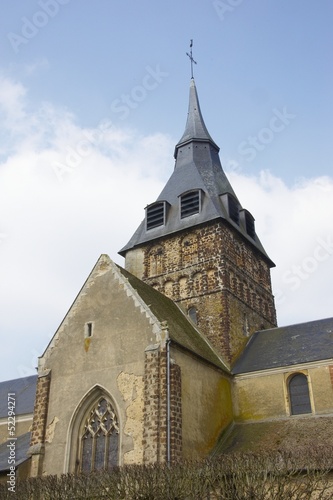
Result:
{"points": [[100, 438]]}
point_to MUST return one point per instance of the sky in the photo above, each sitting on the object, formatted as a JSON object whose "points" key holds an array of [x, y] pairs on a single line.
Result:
{"points": [[93, 99]]}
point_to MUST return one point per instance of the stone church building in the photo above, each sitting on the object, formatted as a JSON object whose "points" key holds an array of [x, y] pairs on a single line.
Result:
{"points": [[178, 354]]}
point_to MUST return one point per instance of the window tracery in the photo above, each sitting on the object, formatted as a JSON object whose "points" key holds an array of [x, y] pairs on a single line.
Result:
{"points": [[99, 439]]}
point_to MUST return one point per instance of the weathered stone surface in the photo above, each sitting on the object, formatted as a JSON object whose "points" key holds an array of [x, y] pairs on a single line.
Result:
{"points": [[212, 269]]}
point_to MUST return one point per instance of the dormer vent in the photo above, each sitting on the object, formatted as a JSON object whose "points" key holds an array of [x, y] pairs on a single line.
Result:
{"points": [[190, 203], [233, 209], [155, 215], [249, 225]]}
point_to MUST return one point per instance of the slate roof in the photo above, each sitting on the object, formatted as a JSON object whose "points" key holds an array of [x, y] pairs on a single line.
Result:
{"points": [[21, 448], [289, 435], [181, 329], [195, 128], [197, 167], [287, 346], [24, 389]]}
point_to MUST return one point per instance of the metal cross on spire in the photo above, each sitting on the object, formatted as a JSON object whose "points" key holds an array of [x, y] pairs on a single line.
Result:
{"points": [[191, 58]]}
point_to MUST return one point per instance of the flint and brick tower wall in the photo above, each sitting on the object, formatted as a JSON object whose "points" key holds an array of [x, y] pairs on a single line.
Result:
{"points": [[213, 269], [39, 424], [155, 408]]}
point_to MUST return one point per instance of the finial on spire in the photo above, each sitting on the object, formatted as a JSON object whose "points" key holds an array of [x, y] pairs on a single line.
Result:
{"points": [[191, 57]]}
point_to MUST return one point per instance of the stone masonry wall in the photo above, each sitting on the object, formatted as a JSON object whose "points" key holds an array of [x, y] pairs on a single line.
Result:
{"points": [[176, 447], [224, 277], [154, 413], [40, 411], [38, 430], [155, 408]]}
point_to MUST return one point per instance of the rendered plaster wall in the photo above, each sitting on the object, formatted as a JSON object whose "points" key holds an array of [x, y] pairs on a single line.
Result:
{"points": [[206, 404], [266, 396], [321, 385], [112, 359], [259, 398]]}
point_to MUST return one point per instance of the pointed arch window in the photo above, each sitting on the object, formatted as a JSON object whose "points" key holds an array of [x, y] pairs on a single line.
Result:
{"points": [[192, 313], [299, 394], [99, 438]]}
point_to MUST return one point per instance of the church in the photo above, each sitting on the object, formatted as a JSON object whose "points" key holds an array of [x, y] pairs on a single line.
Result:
{"points": [[177, 355]]}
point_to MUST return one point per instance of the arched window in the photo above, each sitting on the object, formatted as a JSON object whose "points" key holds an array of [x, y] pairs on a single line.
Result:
{"points": [[299, 394], [192, 312], [99, 438]]}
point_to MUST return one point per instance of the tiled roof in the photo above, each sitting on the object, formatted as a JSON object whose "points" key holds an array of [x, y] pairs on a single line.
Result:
{"points": [[287, 346], [24, 389]]}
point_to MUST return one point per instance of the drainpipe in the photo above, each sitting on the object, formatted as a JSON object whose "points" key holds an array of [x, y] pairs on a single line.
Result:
{"points": [[168, 402]]}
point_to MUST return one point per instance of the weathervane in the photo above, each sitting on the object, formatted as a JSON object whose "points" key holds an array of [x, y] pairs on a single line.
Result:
{"points": [[191, 58]]}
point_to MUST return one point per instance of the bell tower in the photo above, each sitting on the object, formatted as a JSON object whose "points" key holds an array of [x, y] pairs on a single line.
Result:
{"points": [[198, 245]]}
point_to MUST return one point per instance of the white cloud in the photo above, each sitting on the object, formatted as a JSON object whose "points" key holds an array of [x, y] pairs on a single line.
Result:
{"points": [[56, 221], [294, 225]]}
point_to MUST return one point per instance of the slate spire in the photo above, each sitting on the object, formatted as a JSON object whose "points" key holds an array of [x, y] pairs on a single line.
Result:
{"points": [[198, 170], [195, 129]]}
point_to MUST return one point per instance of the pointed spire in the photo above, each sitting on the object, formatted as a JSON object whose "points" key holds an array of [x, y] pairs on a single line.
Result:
{"points": [[195, 129]]}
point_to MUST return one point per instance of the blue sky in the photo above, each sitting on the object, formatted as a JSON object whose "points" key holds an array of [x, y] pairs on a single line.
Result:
{"points": [[252, 57], [93, 98]]}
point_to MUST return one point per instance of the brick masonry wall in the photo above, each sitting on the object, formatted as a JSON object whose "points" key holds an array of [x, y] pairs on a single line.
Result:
{"points": [[40, 410], [224, 277], [36, 449], [176, 447], [154, 413], [155, 408]]}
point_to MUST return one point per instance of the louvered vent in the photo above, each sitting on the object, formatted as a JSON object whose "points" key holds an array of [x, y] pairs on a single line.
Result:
{"points": [[233, 209], [190, 204], [249, 223], [155, 215]]}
